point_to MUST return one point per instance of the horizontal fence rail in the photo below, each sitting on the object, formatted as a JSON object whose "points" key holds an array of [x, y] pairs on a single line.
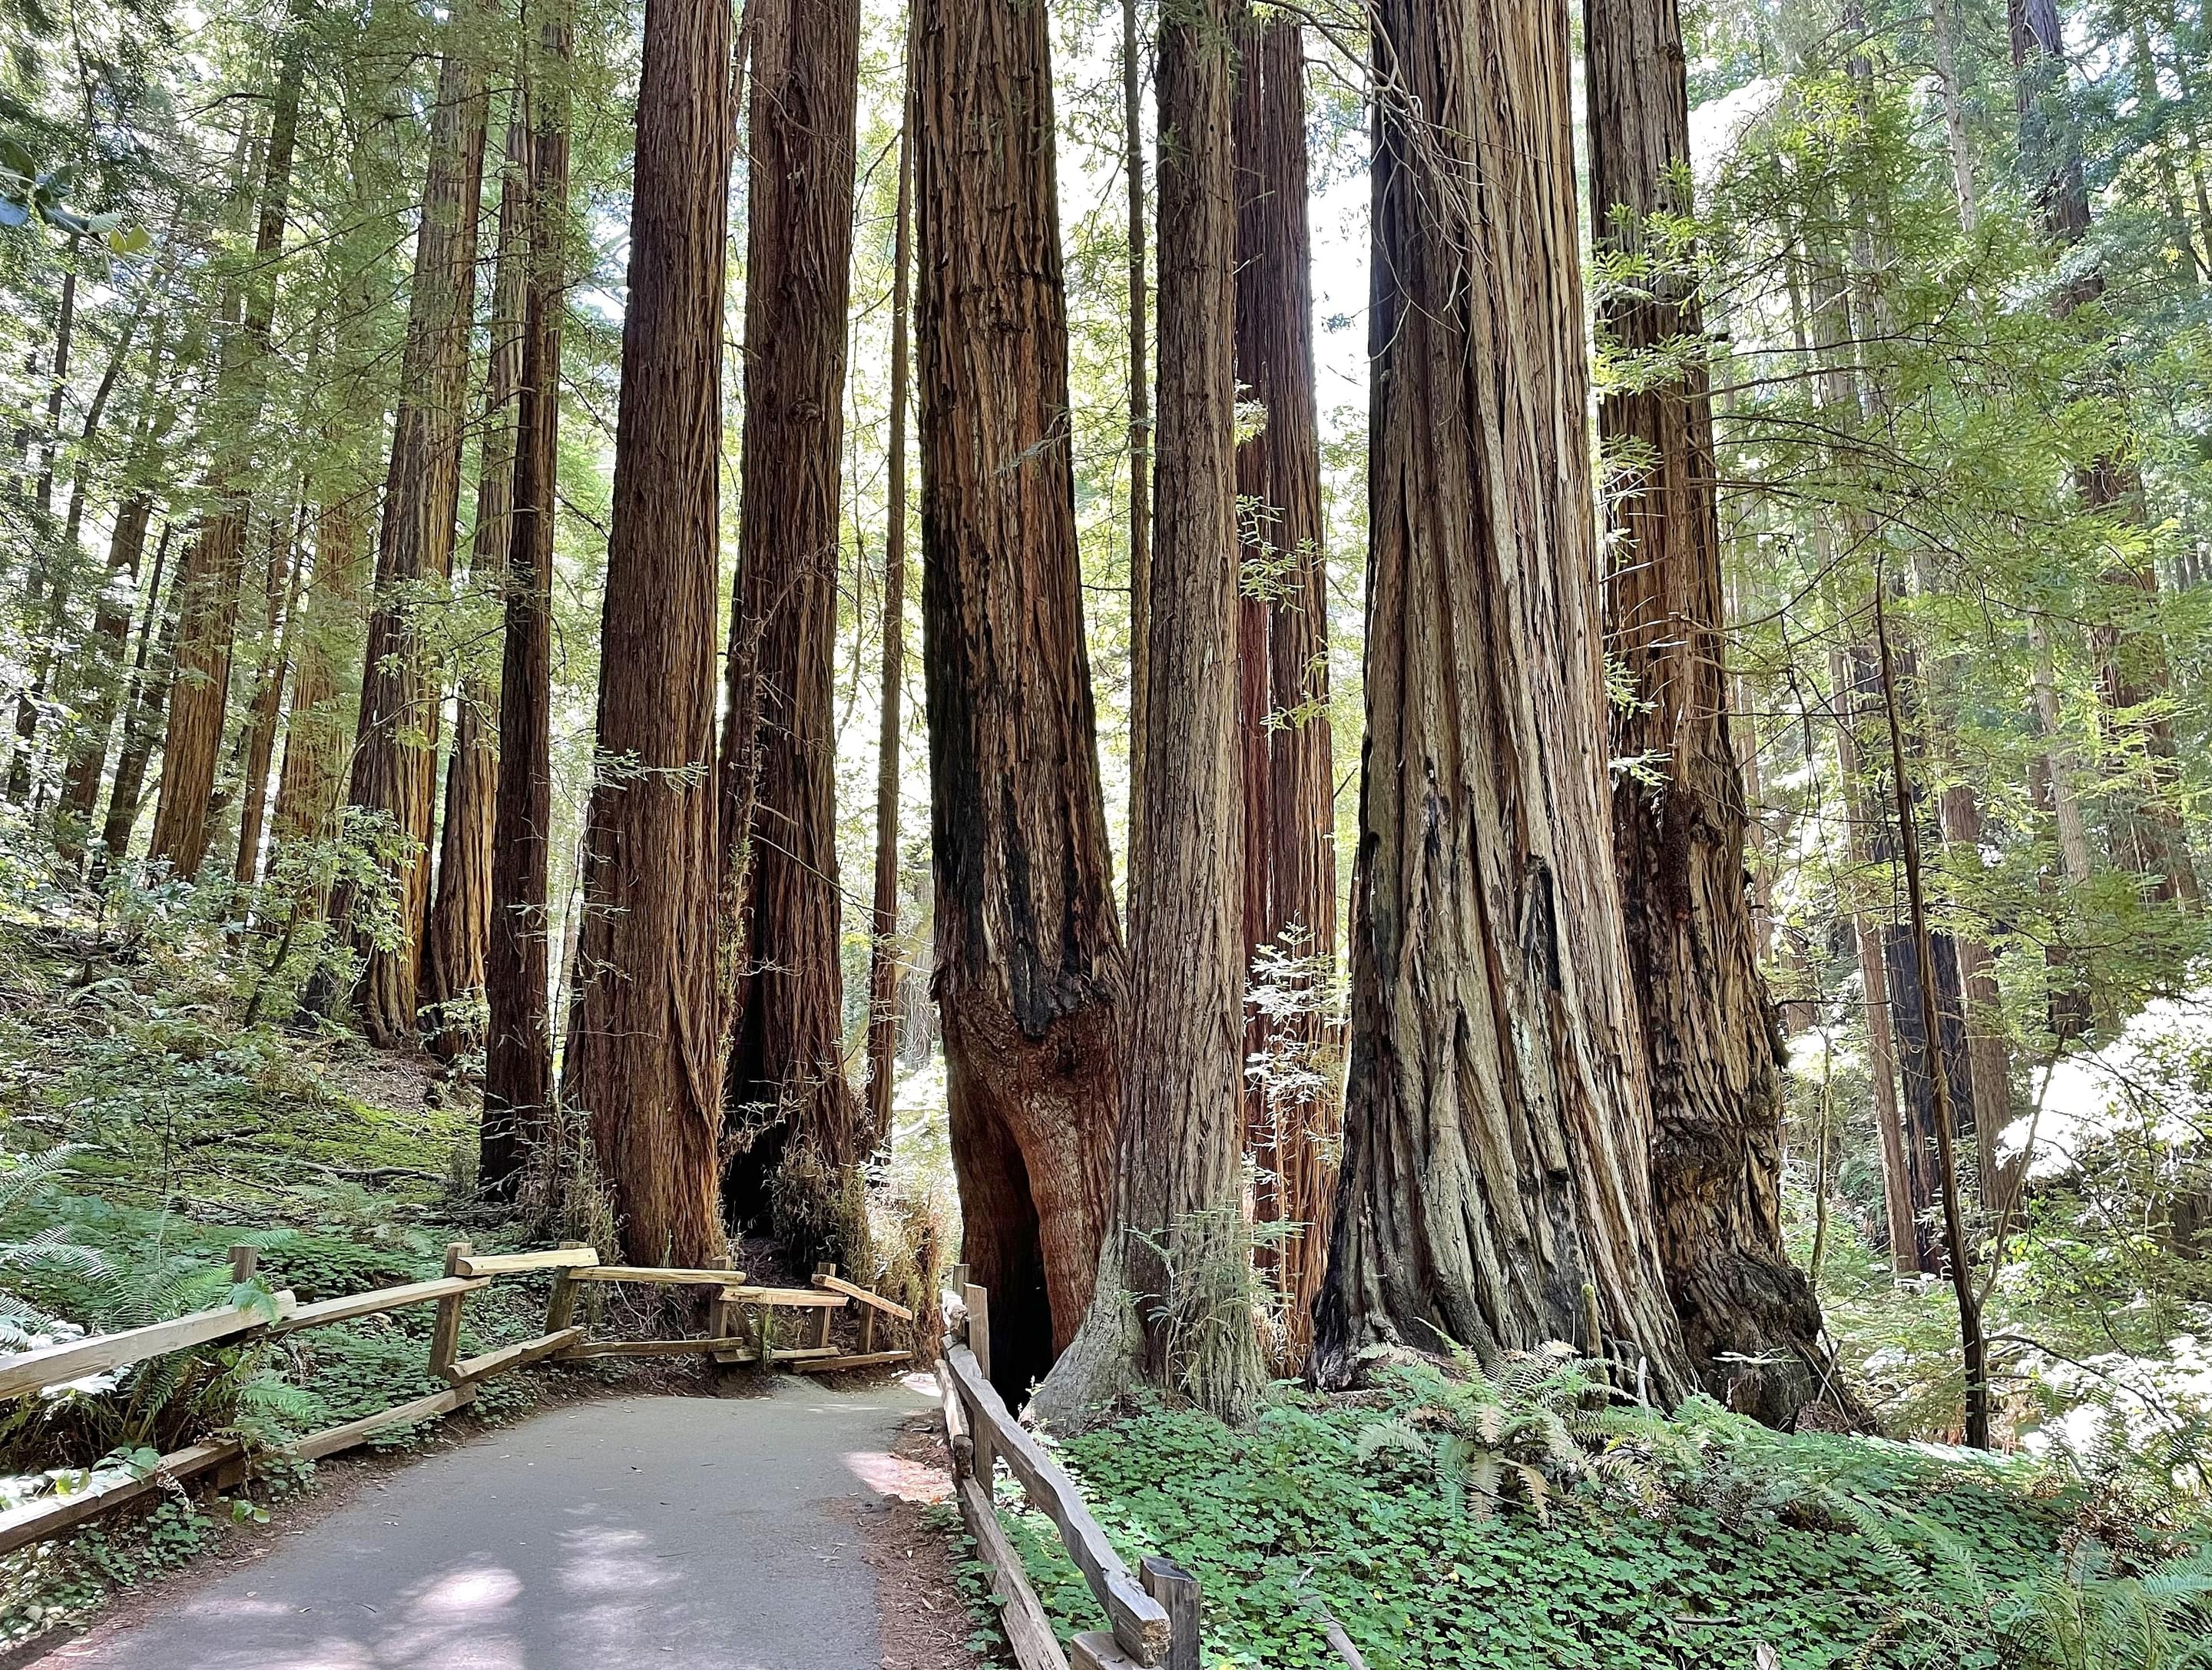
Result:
{"points": [[25, 1374], [1154, 1616]]}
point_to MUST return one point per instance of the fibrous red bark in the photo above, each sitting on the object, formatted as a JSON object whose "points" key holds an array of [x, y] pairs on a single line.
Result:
{"points": [[795, 1121], [1496, 1188], [644, 1057], [1030, 977]]}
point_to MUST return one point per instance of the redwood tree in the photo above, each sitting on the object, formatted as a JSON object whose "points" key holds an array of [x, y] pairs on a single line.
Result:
{"points": [[1170, 1304], [1030, 976], [459, 921], [796, 1121], [208, 581], [395, 739], [1711, 1044], [1495, 1188], [644, 1059], [519, 1041], [1289, 822]]}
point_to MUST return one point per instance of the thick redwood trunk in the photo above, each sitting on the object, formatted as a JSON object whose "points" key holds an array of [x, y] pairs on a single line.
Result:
{"points": [[1712, 1046], [394, 775], [1292, 1112], [519, 1041], [1029, 974], [459, 922], [1171, 1304], [1140, 427], [644, 1060], [796, 1123], [208, 581], [1498, 1129]]}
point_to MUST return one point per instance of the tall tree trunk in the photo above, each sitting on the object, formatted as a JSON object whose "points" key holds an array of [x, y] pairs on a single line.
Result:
{"points": [[1955, 1235], [518, 1095], [1140, 429], [1711, 1044], [257, 747], [1031, 976], [644, 1059], [460, 914], [1943, 27], [883, 924], [1171, 1306], [111, 632], [142, 703], [797, 1125], [394, 773], [1293, 1115], [460, 924], [208, 582], [319, 733], [1496, 1187]]}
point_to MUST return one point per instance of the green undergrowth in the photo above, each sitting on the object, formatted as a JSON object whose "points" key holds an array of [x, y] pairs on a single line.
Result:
{"points": [[1445, 1531]]}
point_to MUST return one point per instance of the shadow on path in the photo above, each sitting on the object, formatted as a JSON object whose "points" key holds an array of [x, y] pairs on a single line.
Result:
{"points": [[613, 1534]]}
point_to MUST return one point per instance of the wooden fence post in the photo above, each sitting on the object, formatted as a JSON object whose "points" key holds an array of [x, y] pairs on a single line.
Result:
{"points": [[560, 1308], [243, 1261], [446, 1337], [822, 1316], [1175, 1589], [978, 1301]]}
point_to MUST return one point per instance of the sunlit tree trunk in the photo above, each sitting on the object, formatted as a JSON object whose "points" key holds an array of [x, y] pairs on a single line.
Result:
{"points": [[1712, 1048], [796, 1122], [644, 1059], [1292, 1117], [1496, 1188], [394, 774], [1030, 976], [208, 581]]}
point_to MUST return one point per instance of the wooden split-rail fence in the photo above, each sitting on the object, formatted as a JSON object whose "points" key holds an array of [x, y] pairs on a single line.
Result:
{"points": [[728, 1341], [1154, 1614]]}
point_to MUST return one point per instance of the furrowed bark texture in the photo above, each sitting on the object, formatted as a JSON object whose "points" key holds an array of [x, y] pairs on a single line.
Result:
{"points": [[1140, 423], [460, 912], [1497, 1119], [644, 1059], [883, 916], [1171, 1307], [395, 737], [206, 582], [1712, 1050], [1293, 1119], [519, 1041], [795, 1119], [1030, 978]]}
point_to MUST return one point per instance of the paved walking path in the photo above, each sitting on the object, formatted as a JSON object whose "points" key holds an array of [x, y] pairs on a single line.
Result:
{"points": [[681, 1533]]}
